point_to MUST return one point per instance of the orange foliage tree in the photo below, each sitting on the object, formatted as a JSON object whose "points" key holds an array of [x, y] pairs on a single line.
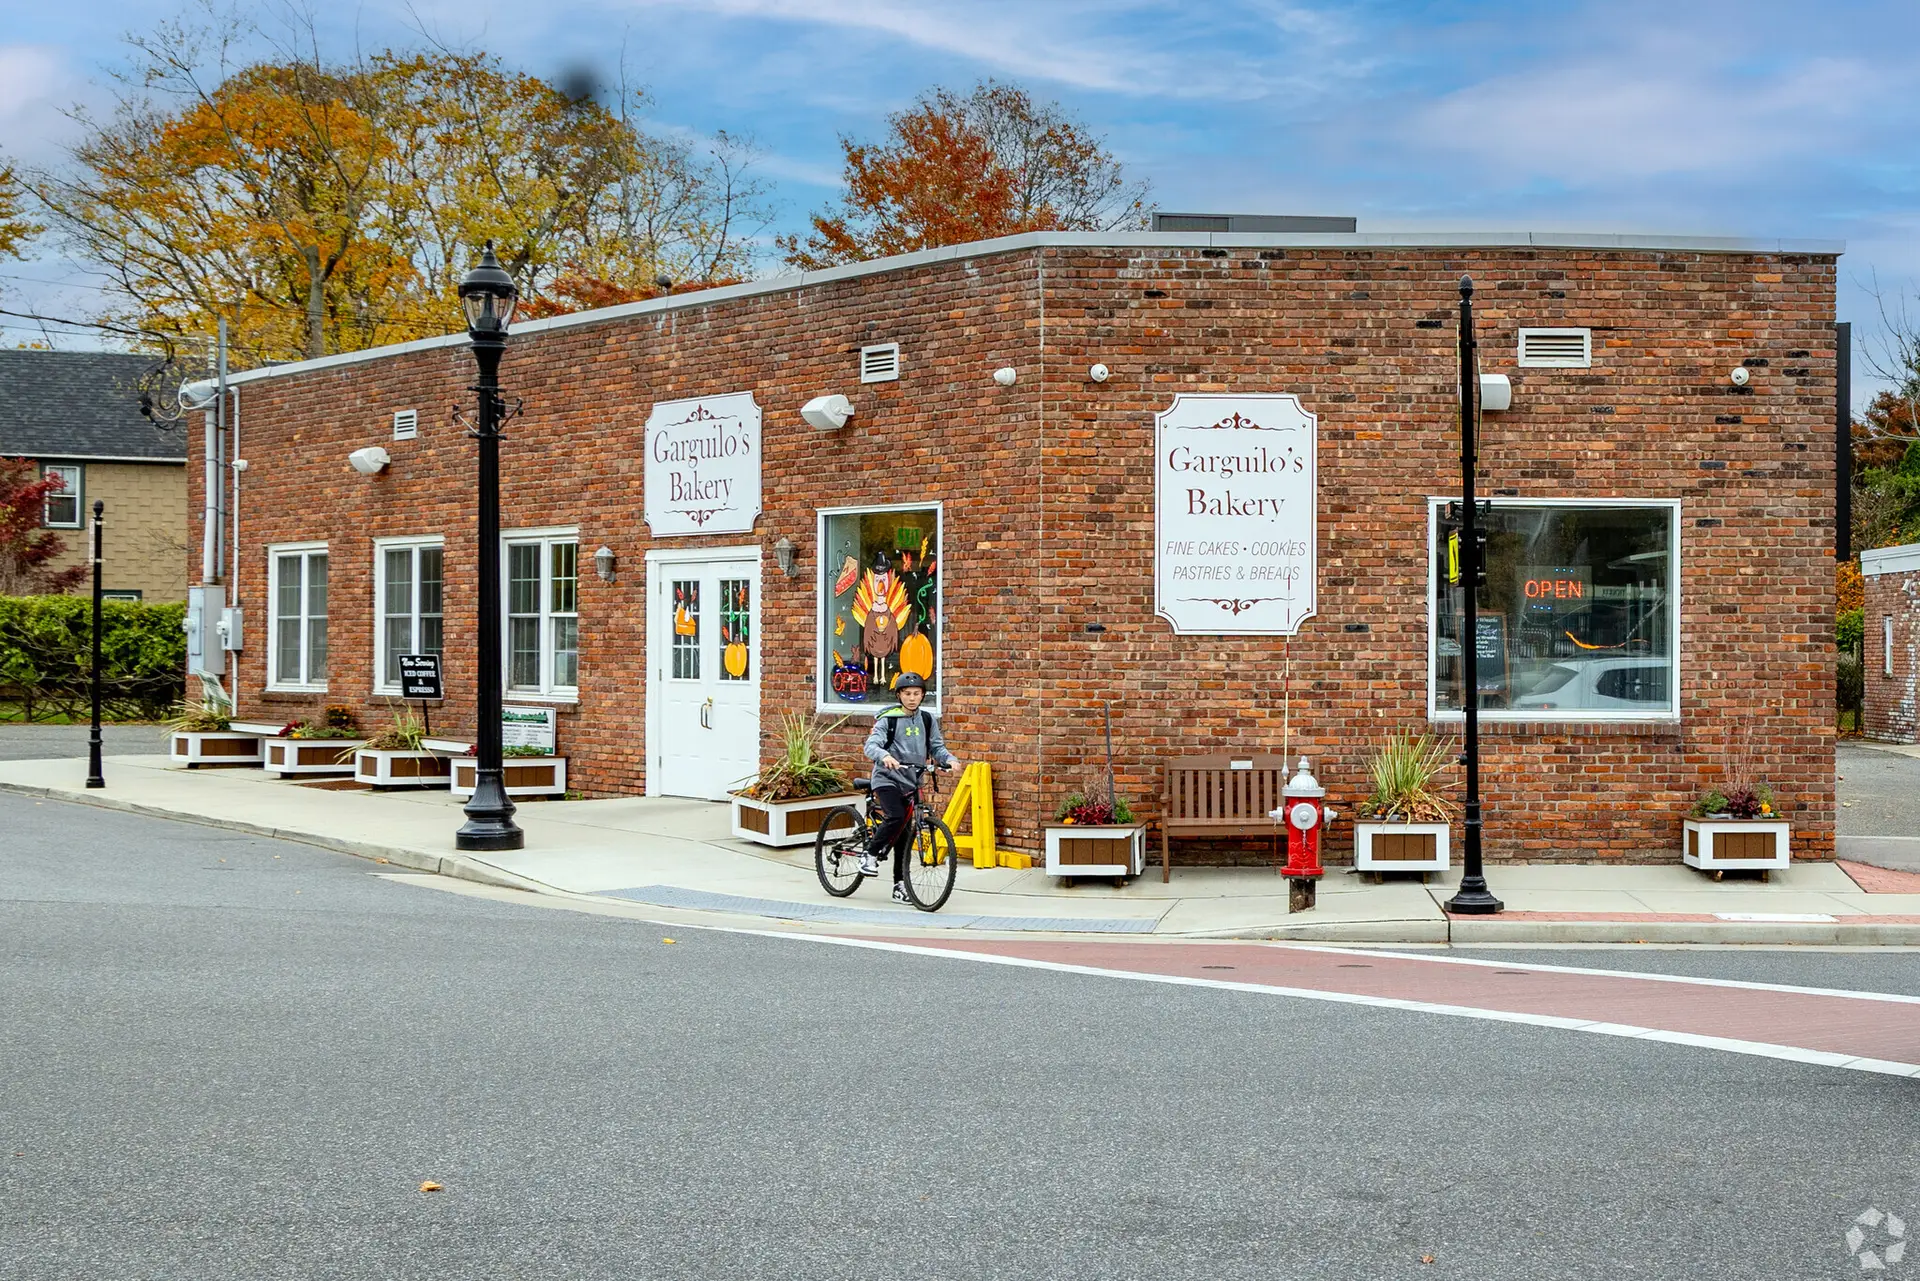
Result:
{"points": [[954, 169], [325, 208]]}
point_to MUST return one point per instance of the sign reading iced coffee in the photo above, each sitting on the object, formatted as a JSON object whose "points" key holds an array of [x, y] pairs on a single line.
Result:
{"points": [[1235, 543], [703, 465]]}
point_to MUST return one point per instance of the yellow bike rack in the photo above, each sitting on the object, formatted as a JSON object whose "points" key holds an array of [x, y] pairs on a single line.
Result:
{"points": [[972, 805]]}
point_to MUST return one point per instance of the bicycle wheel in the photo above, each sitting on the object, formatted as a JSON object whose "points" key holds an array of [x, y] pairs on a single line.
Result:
{"points": [[932, 862], [836, 851]]}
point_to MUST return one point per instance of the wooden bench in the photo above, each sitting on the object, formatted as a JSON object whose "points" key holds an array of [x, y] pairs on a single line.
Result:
{"points": [[1221, 796]]}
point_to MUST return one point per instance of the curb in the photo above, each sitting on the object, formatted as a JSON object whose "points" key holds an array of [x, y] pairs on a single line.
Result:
{"points": [[1731, 933], [459, 866]]}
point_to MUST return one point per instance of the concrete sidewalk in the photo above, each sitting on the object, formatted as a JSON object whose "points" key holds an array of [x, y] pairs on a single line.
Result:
{"points": [[677, 856]]}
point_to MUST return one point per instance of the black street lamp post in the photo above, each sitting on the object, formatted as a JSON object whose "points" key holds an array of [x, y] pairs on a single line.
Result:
{"points": [[488, 297], [1473, 897], [95, 777]]}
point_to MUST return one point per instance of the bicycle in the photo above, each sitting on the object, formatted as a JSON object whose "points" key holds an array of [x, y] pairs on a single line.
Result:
{"points": [[933, 858]]}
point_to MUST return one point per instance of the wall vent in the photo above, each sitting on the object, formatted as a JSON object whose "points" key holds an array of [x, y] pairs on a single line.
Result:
{"points": [[1556, 348], [406, 424], [881, 363]]}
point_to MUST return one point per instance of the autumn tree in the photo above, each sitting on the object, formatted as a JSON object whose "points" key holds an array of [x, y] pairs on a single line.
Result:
{"points": [[325, 208], [15, 227], [954, 169], [27, 548]]}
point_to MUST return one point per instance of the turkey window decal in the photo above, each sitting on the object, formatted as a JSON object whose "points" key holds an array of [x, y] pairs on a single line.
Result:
{"points": [[880, 604]]}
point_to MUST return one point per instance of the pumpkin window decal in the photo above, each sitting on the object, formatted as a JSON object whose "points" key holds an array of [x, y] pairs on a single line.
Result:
{"points": [[686, 629], [736, 628]]}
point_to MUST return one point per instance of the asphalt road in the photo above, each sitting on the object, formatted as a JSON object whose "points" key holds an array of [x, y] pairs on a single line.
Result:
{"points": [[226, 1057], [46, 742]]}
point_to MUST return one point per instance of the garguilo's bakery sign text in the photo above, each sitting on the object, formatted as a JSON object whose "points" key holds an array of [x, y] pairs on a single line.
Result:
{"points": [[1235, 519], [703, 465]]}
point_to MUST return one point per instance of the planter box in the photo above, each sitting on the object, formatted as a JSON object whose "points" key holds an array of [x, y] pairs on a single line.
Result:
{"points": [[402, 769], [1728, 844], [194, 748], [1401, 847], [288, 756], [1110, 850], [523, 775], [785, 823]]}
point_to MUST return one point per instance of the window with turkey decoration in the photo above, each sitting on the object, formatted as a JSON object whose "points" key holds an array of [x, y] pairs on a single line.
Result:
{"points": [[880, 605]]}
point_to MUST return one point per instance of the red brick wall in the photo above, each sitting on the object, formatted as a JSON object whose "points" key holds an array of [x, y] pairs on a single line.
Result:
{"points": [[1892, 710], [1048, 487]]}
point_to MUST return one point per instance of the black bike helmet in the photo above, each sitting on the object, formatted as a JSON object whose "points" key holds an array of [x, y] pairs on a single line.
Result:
{"points": [[909, 680]]}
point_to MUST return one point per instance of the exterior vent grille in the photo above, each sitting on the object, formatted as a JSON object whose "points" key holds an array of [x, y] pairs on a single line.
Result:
{"points": [[406, 424], [880, 364], [1556, 348]]}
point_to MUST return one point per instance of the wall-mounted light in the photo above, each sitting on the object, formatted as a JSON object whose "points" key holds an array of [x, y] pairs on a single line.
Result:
{"points": [[603, 563], [1099, 373], [1006, 375], [827, 413], [1496, 393], [370, 460], [787, 555], [1739, 377]]}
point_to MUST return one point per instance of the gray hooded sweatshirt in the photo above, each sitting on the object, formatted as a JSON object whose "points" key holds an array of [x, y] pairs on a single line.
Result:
{"points": [[910, 746]]}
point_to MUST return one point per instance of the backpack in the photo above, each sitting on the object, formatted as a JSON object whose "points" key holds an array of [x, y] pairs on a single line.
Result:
{"points": [[926, 727]]}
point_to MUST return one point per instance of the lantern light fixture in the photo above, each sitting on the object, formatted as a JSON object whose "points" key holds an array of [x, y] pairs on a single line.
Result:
{"points": [[488, 297], [787, 555], [604, 561]]}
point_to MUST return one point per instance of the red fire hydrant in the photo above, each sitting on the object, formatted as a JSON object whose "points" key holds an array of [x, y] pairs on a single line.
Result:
{"points": [[1304, 810]]}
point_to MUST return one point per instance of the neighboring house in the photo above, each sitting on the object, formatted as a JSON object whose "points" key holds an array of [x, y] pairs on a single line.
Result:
{"points": [[76, 414]]}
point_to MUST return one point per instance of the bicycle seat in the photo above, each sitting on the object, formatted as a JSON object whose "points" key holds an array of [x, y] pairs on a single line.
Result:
{"points": [[863, 785]]}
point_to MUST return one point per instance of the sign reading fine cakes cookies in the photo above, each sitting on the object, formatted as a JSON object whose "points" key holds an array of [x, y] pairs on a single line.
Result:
{"points": [[1234, 518], [703, 465]]}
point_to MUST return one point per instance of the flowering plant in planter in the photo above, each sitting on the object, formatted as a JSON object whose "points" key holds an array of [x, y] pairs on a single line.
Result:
{"points": [[1081, 810], [1739, 801], [339, 723]]}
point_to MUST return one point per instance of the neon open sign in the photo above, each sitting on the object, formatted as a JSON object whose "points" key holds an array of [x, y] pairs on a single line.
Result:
{"points": [[1555, 589]]}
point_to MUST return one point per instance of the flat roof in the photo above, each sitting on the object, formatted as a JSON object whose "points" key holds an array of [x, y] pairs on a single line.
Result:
{"points": [[1094, 240]]}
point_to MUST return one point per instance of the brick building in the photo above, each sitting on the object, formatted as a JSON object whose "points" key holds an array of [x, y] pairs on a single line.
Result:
{"points": [[1890, 650], [1660, 564], [76, 415]]}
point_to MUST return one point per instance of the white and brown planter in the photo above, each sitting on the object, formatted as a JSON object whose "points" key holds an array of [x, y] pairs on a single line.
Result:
{"points": [[320, 757], [1115, 849], [379, 768], [786, 823], [194, 748], [1401, 847], [1719, 844], [522, 775]]}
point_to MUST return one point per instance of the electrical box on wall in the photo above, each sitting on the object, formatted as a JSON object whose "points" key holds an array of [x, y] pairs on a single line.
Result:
{"points": [[204, 653], [232, 633]]}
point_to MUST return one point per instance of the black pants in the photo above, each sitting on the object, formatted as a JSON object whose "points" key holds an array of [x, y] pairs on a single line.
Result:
{"points": [[895, 829]]}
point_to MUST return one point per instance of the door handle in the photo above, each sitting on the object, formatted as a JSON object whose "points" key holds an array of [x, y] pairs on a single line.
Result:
{"points": [[706, 714]]}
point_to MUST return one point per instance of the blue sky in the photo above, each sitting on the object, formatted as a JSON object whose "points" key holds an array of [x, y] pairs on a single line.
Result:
{"points": [[1686, 118]]}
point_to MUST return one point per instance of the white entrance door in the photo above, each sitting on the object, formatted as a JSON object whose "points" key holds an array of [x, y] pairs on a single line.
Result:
{"points": [[704, 665]]}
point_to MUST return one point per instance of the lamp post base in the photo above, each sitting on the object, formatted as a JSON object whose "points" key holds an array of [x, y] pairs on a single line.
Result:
{"points": [[1474, 899], [489, 824]]}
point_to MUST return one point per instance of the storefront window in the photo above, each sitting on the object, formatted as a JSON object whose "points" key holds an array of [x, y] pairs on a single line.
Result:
{"points": [[880, 603], [543, 628], [1575, 621]]}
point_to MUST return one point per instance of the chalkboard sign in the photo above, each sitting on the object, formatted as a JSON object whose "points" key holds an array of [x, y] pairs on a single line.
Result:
{"points": [[1490, 653], [420, 676]]}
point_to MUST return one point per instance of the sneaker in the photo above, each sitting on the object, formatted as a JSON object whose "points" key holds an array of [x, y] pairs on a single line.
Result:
{"points": [[869, 865], [900, 893]]}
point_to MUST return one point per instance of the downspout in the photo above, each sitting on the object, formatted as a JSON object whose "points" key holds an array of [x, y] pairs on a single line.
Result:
{"points": [[210, 498]]}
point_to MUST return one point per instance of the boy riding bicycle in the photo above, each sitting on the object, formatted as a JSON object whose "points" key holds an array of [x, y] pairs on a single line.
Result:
{"points": [[905, 740]]}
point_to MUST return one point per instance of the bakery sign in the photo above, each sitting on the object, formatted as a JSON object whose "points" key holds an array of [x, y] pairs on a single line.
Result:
{"points": [[703, 465], [1234, 518]]}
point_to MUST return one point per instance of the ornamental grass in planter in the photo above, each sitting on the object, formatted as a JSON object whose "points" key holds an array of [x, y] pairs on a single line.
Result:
{"points": [[397, 756], [794, 792], [203, 733], [1406, 822]]}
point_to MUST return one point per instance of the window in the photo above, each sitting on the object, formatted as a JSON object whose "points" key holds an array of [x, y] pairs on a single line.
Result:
{"points": [[1577, 619], [128, 595], [1886, 644], [297, 584], [543, 608], [879, 604], [63, 504], [407, 592]]}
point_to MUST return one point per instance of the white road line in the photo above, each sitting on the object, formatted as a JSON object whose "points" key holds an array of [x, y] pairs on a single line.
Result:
{"points": [[1896, 998]]}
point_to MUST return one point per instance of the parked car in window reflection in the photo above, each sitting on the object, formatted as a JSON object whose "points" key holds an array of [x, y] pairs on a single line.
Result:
{"points": [[1599, 684]]}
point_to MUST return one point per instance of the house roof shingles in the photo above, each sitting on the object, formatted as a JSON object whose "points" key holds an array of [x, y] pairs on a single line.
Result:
{"points": [[81, 405]]}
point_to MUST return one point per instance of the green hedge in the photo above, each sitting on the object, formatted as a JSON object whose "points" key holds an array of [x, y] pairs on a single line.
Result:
{"points": [[46, 654], [1849, 627]]}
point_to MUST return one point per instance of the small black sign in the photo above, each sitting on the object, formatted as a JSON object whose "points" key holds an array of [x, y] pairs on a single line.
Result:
{"points": [[1490, 652], [420, 676]]}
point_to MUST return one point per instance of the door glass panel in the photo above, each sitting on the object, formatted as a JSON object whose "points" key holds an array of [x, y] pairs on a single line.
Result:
{"points": [[686, 629], [736, 626]]}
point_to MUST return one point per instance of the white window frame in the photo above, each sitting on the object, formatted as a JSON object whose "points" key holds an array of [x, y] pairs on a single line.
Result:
{"points": [[303, 550], [824, 701], [546, 691], [76, 488], [1886, 644], [1454, 716], [381, 546]]}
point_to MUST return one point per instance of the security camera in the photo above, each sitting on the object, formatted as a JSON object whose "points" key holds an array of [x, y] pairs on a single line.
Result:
{"points": [[370, 460], [828, 413], [1099, 373], [199, 394], [1739, 376], [1006, 375]]}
